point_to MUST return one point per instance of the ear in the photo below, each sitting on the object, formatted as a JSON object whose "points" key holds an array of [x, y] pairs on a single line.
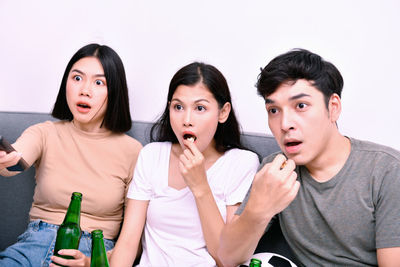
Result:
{"points": [[334, 107], [224, 112]]}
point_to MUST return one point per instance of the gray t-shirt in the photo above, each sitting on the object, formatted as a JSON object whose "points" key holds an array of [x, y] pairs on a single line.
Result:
{"points": [[344, 220]]}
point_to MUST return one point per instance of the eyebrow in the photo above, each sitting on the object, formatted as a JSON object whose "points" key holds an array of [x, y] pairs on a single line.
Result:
{"points": [[198, 100], [270, 101], [81, 72]]}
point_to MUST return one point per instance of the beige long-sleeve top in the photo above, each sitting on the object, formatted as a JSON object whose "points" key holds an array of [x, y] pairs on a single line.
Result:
{"points": [[99, 165]]}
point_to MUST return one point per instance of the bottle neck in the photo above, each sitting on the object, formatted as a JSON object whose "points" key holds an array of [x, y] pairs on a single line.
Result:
{"points": [[255, 263], [74, 212], [99, 255], [98, 243]]}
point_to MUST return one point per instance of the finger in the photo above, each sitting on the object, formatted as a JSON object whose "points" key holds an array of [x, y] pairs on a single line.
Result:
{"points": [[194, 160], [10, 159], [182, 169], [295, 189], [292, 179], [184, 160], [279, 162], [273, 167], [70, 252], [10, 155], [289, 164], [287, 168], [189, 155], [263, 170], [15, 156], [192, 146], [78, 258], [59, 260]]}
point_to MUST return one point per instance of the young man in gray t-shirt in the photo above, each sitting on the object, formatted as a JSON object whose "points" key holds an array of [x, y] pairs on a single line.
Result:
{"points": [[337, 198]]}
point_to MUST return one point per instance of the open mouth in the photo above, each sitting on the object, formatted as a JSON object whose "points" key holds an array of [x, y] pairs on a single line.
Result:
{"points": [[289, 144], [189, 137], [293, 146], [83, 105]]}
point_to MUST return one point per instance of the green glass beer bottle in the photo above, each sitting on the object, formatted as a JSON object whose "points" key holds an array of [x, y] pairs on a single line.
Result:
{"points": [[69, 232], [255, 262], [99, 256]]}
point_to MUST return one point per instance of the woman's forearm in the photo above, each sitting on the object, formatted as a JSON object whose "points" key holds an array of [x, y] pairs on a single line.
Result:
{"points": [[127, 246], [211, 221]]}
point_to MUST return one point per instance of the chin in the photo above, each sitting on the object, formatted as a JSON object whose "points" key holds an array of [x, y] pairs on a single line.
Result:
{"points": [[298, 159]]}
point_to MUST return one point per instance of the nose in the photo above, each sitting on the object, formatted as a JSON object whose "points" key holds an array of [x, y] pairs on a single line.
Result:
{"points": [[187, 119], [287, 121], [86, 90]]}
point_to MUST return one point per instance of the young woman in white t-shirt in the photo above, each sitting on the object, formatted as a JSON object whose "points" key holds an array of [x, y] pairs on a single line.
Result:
{"points": [[190, 180]]}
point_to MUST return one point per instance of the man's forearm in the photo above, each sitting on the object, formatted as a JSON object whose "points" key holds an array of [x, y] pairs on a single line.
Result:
{"points": [[239, 239]]}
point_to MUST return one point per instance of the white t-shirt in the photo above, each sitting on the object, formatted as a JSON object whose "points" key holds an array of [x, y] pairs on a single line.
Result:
{"points": [[172, 233]]}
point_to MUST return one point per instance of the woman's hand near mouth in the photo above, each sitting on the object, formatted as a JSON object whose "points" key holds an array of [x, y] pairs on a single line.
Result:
{"points": [[192, 168], [192, 165]]}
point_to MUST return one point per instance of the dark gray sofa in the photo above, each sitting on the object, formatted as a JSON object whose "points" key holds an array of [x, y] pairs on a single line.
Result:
{"points": [[16, 192]]}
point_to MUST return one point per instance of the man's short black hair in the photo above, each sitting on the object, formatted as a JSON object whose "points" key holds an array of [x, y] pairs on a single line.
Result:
{"points": [[300, 64]]}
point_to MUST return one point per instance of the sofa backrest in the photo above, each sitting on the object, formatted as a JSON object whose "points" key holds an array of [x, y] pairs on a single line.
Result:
{"points": [[16, 193]]}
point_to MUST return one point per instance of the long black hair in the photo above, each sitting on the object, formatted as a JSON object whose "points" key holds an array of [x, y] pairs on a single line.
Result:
{"points": [[227, 135], [117, 118]]}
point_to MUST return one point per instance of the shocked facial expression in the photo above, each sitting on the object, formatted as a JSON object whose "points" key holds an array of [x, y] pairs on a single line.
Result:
{"points": [[86, 92], [194, 115], [300, 120]]}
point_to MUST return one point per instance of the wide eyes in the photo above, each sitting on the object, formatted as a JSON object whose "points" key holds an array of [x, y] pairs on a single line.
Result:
{"points": [[272, 110], [79, 78], [99, 82], [178, 107], [301, 105], [200, 108], [197, 108]]}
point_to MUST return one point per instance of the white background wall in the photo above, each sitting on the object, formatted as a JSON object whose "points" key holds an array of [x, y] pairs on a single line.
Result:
{"points": [[156, 38]]}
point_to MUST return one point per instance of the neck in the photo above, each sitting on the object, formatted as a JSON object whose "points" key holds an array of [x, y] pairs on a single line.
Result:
{"points": [[332, 159], [211, 153], [89, 127]]}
